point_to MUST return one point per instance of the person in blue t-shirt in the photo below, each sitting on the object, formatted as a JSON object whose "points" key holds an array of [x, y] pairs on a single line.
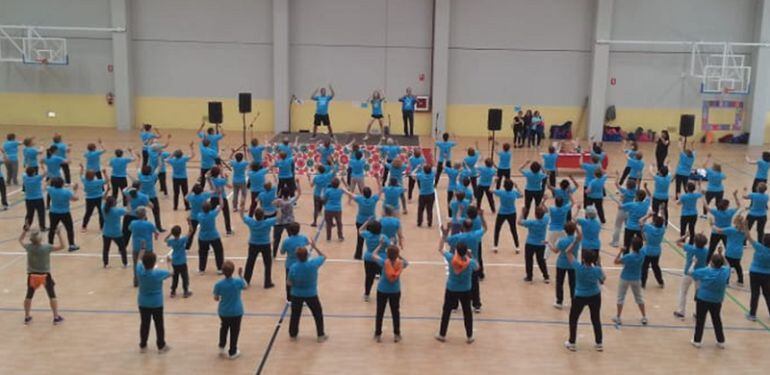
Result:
{"points": [[135, 199], [178, 162], [59, 210], [209, 237], [259, 243], [631, 150], [389, 288], [722, 217], [534, 247], [33, 197], [111, 231], [589, 170], [736, 238], [375, 241], [390, 152], [763, 167], [150, 300], [567, 244], [256, 177], [712, 282], [376, 101], [635, 211], [630, 277], [53, 166], [427, 198], [458, 285], [660, 192], [625, 194], [289, 246], [595, 193], [695, 258], [303, 278], [533, 190], [257, 151], [507, 212], [472, 236], [408, 102], [230, 310], [588, 279], [93, 189], [504, 158], [715, 189], [357, 172], [759, 274], [93, 157], [321, 116], [393, 195], [209, 157], [414, 163], [148, 178], [684, 167], [61, 150], [549, 165], [445, 147], [367, 206], [31, 153], [178, 260], [319, 182], [469, 166], [11, 151], [238, 165], [486, 175], [689, 213], [332, 198], [757, 208], [119, 175], [144, 232], [285, 166], [213, 135], [652, 234], [147, 136], [217, 180]]}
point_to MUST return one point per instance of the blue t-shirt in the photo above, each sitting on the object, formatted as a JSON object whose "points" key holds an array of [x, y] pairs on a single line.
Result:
{"points": [[196, 203], [636, 167], [208, 156], [142, 232], [266, 199], [333, 199], [714, 179], [507, 201], [61, 149], [150, 286], [662, 184], [60, 200], [697, 254], [486, 175], [93, 160], [93, 188], [178, 166], [471, 239], [685, 164], [396, 172], [536, 230], [11, 149], [549, 161], [452, 174], [357, 167], [445, 150], [762, 169], [391, 151], [376, 107], [366, 207], [290, 246], [208, 225], [723, 219], [147, 184], [758, 206], [322, 104], [256, 153], [304, 277], [589, 169], [407, 102], [591, 229], [689, 203], [33, 187], [504, 160], [372, 240], [288, 149], [713, 282], [653, 237], [112, 223], [562, 244], [735, 239], [257, 180], [30, 156], [385, 285], [321, 182], [326, 152], [596, 187], [534, 180], [259, 230], [564, 194], [53, 165], [213, 140], [632, 266], [229, 292], [636, 210], [285, 167], [119, 165], [178, 250], [459, 282], [627, 195], [470, 164], [147, 138], [393, 195], [761, 261], [239, 171], [587, 279], [390, 226], [559, 216], [141, 199], [425, 181], [415, 162]]}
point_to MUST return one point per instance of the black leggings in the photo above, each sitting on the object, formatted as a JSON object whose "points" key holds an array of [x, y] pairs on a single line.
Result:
{"points": [[411, 182], [687, 225], [761, 221], [106, 241], [500, 220], [529, 196], [3, 196], [296, 312], [318, 206], [180, 185], [628, 235], [156, 212], [714, 309], [759, 282], [91, 205], [359, 242], [127, 233], [35, 205], [681, 183], [623, 176], [594, 304], [451, 300], [156, 314], [230, 324], [277, 234], [439, 169], [408, 117], [535, 251], [425, 206], [267, 260], [713, 195], [162, 182], [118, 184], [66, 220], [371, 269], [736, 263], [383, 299], [215, 201], [501, 175], [598, 203], [651, 261], [560, 276], [656, 206], [203, 253], [714, 242], [180, 270], [481, 191]]}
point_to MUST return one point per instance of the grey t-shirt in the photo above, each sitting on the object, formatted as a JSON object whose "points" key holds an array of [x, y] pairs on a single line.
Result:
{"points": [[38, 257], [287, 211]]}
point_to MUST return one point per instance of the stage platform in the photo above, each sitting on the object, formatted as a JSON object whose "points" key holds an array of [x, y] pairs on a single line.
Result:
{"points": [[345, 138]]}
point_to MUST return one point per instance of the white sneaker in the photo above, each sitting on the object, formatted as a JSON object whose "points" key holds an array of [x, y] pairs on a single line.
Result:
{"points": [[570, 346], [599, 347], [494, 249], [617, 321], [516, 250], [397, 338], [751, 318], [440, 338], [615, 244], [470, 340], [477, 310], [234, 356], [219, 272], [222, 352], [644, 321], [558, 306], [366, 298], [695, 344], [164, 349], [322, 338], [721, 345], [377, 338]]}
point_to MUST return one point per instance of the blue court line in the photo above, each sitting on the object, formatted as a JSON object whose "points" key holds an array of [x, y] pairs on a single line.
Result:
{"points": [[370, 317]]}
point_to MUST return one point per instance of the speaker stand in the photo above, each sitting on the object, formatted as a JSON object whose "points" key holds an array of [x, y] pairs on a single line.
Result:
{"points": [[492, 146]]}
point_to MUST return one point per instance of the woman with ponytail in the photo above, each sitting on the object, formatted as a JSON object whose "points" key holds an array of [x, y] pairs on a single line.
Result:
{"points": [[111, 230], [389, 287], [458, 285]]}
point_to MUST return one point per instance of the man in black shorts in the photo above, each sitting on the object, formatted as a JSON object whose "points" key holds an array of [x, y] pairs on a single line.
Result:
{"points": [[322, 109], [39, 270]]}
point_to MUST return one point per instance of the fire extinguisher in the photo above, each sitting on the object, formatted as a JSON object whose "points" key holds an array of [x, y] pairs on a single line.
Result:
{"points": [[110, 98]]}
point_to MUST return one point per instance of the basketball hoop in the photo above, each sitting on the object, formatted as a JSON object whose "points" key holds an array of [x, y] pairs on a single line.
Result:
{"points": [[727, 91], [42, 60]]}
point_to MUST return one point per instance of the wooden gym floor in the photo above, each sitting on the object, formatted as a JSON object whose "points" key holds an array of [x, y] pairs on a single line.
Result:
{"points": [[518, 329]]}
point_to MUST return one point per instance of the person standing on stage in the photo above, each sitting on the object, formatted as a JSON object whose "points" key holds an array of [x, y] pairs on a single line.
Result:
{"points": [[407, 111], [376, 100], [322, 109]]}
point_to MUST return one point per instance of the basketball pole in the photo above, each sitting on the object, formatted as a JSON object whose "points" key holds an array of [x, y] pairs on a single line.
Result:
{"points": [[435, 139]]}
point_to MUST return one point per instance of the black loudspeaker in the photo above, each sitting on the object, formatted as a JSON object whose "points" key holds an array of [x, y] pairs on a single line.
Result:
{"points": [[495, 119], [687, 125], [244, 102], [215, 112]]}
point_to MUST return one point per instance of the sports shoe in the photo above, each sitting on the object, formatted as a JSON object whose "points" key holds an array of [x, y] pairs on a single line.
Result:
{"points": [[219, 272], [58, 320], [617, 321], [516, 250], [377, 338], [73, 248], [751, 318], [679, 315], [614, 244], [222, 352], [172, 294], [695, 344], [644, 321], [547, 280], [527, 280], [477, 310], [570, 346], [397, 338], [661, 285], [164, 349], [494, 249], [599, 347], [440, 338], [27, 320], [558, 306], [268, 286], [470, 340], [721, 345], [740, 284], [234, 355], [187, 294], [142, 349], [323, 338], [366, 298]]}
